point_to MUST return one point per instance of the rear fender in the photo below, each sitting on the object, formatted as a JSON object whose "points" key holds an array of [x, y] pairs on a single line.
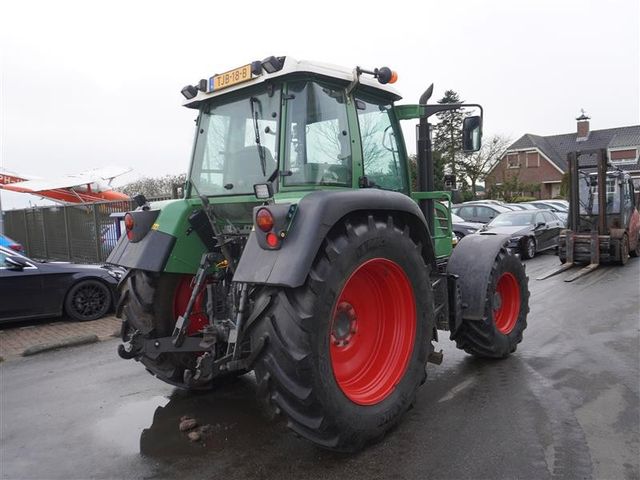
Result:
{"points": [[316, 215], [472, 261]]}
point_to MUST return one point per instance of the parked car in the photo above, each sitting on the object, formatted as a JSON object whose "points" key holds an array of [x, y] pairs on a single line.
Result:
{"points": [[31, 289], [479, 212], [530, 231], [561, 211], [9, 243], [461, 228], [515, 206]]}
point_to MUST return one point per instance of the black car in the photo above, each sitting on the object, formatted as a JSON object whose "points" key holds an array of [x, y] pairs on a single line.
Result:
{"points": [[462, 228], [531, 230], [479, 212], [31, 289]]}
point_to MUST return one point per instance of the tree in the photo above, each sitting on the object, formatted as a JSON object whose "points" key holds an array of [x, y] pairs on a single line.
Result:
{"points": [[438, 171], [477, 165], [447, 138], [154, 186]]}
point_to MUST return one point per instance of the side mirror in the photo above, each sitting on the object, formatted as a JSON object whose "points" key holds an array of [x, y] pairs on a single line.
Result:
{"points": [[15, 263], [540, 224], [472, 134]]}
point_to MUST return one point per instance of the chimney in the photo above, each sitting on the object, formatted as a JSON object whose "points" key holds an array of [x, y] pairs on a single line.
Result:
{"points": [[583, 127]]}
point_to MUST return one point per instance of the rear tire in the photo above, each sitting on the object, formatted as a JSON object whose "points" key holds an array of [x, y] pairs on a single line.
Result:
{"points": [[147, 304], [636, 251], [88, 300], [505, 316], [346, 351]]}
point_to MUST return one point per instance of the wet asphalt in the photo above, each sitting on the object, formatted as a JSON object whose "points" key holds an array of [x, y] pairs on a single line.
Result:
{"points": [[565, 405]]}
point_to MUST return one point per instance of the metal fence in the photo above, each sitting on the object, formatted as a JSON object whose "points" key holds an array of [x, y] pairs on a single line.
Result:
{"points": [[79, 233]]}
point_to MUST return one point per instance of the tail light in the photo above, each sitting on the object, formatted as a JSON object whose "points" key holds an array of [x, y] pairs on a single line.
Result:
{"points": [[264, 220], [128, 225], [16, 246]]}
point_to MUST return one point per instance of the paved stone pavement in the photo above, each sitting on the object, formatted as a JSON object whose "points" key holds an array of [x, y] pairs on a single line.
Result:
{"points": [[15, 338]]}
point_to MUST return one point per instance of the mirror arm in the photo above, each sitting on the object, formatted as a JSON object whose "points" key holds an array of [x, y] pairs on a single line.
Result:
{"points": [[428, 110]]}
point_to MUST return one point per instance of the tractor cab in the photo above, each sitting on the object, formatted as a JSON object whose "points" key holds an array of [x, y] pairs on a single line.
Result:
{"points": [[297, 126]]}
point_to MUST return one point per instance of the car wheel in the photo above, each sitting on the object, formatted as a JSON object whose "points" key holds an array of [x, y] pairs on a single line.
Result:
{"points": [[529, 248], [87, 300]]}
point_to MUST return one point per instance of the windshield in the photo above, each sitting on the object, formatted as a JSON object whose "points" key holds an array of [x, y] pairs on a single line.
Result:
{"points": [[588, 191], [236, 145], [512, 219]]}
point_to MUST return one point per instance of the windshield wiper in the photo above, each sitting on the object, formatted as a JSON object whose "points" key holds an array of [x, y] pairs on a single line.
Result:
{"points": [[256, 130]]}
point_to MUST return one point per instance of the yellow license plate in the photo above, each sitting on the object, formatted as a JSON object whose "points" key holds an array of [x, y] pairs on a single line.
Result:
{"points": [[230, 78]]}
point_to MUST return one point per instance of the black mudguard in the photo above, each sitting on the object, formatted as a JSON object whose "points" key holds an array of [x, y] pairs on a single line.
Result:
{"points": [[471, 261], [150, 253], [317, 213]]}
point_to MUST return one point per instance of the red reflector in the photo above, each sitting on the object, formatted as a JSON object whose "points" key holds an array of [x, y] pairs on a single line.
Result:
{"points": [[128, 225], [128, 221], [16, 247], [264, 220], [272, 239]]}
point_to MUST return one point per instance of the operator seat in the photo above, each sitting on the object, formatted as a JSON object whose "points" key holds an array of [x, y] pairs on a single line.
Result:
{"points": [[243, 169]]}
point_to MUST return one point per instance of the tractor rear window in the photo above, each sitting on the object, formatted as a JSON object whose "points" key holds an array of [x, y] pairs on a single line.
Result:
{"points": [[318, 141], [236, 145]]}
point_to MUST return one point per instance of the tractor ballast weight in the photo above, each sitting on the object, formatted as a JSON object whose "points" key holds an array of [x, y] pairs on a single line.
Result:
{"points": [[301, 252]]}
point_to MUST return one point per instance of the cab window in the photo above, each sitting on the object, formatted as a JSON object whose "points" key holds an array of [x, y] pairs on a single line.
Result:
{"points": [[317, 136], [381, 158]]}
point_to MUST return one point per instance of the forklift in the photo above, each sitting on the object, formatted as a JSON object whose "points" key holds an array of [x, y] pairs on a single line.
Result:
{"points": [[595, 234]]}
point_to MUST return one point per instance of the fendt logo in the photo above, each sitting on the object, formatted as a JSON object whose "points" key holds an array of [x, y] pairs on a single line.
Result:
{"points": [[7, 179]]}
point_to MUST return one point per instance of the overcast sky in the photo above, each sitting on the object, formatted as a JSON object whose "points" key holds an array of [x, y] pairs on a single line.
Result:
{"points": [[88, 84]]}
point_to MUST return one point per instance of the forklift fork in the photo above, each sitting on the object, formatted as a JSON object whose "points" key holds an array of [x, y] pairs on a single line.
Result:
{"points": [[595, 259]]}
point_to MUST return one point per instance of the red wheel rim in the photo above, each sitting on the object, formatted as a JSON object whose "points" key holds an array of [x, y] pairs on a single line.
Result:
{"points": [[373, 331], [198, 318], [506, 303]]}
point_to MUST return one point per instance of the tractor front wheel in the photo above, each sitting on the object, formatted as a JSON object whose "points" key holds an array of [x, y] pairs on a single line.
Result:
{"points": [[507, 298], [346, 351]]}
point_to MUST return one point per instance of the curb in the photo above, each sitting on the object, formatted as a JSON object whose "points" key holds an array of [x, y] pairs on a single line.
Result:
{"points": [[67, 342]]}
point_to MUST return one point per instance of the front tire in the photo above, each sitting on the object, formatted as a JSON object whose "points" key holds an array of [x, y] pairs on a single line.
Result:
{"points": [[346, 351], [624, 250], [529, 250], [498, 334]]}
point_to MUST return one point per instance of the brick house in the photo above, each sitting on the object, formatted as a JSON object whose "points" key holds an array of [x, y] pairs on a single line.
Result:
{"points": [[543, 160]]}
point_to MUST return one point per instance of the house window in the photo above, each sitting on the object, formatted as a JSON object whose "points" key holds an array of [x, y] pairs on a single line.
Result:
{"points": [[533, 160], [622, 157], [513, 161]]}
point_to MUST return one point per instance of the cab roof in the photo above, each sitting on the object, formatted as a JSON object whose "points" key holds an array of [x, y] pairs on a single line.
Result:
{"points": [[292, 66]]}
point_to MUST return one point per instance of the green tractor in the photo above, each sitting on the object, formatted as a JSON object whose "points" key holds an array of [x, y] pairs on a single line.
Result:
{"points": [[300, 252]]}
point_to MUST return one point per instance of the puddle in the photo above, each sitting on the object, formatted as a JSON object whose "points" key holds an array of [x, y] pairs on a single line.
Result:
{"points": [[122, 430], [233, 414]]}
